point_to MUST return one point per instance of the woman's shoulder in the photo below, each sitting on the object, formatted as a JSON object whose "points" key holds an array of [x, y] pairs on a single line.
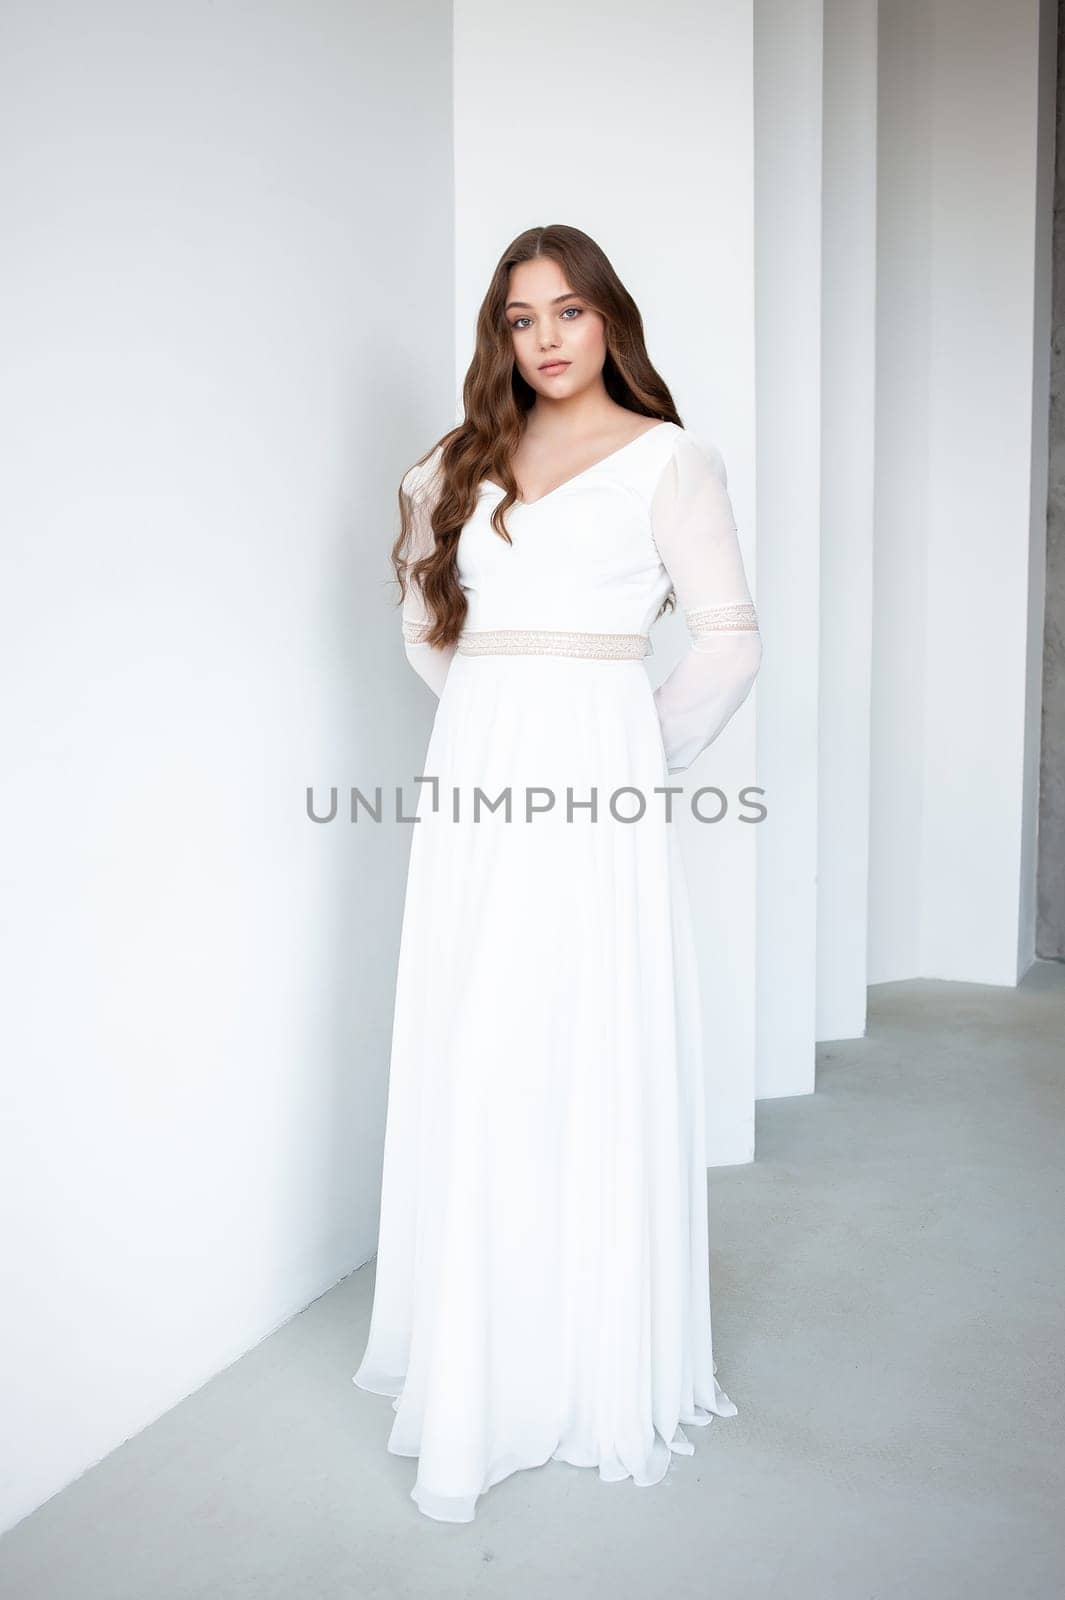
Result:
{"points": [[418, 479], [697, 452], [684, 459]]}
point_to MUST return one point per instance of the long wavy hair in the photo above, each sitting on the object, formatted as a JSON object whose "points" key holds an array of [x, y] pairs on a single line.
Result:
{"points": [[496, 399]]}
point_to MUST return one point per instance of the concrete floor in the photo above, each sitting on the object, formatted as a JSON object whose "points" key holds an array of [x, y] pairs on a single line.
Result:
{"points": [[888, 1287]]}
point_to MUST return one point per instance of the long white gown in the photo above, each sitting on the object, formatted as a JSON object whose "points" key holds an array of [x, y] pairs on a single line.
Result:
{"points": [[543, 1280]]}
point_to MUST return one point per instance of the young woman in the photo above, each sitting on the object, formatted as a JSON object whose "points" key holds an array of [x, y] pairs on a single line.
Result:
{"points": [[543, 1279]]}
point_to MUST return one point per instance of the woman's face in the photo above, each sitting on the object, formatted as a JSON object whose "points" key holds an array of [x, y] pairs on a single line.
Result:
{"points": [[548, 323]]}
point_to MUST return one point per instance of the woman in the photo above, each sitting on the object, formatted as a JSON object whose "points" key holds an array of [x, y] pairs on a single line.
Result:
{"points": [[542, 1286]]}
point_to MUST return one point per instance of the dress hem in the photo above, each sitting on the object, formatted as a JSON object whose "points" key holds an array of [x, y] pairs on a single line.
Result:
{"points": [[463, 1507]]}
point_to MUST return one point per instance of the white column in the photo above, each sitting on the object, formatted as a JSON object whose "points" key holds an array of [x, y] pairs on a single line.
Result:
{"points": [[788, 72], [635, 124], [848, 392], [966, 136]]}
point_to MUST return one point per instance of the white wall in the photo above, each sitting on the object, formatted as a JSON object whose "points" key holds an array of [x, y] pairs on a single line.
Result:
{"points": [[226, 326], [960, 528], [635, 124]]}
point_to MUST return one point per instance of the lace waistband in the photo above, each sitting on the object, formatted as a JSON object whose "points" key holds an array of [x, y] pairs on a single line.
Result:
{"points": [[554, 642]]}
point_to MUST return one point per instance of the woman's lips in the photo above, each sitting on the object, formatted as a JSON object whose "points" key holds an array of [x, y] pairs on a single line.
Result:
{"points": [[554, 366]]}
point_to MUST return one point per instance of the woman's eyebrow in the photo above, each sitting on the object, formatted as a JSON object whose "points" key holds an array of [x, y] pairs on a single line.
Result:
{"points": [[525, 306]]}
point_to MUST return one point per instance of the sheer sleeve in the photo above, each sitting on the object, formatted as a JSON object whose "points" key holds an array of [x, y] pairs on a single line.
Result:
{"points": [[695, 532], [429, 661]]}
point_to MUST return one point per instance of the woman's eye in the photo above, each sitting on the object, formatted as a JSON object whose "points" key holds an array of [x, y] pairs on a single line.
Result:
{"points": [[519, 322]]}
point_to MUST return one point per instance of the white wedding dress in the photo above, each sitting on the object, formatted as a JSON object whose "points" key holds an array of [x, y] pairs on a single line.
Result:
{"points": [[543, 1281]]}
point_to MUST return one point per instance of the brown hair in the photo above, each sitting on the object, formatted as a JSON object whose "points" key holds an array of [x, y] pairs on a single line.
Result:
{"points": [[495, 399]]}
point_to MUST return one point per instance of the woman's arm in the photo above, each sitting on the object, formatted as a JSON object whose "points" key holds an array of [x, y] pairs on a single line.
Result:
{"points": [[695, 532], [429, 661]]}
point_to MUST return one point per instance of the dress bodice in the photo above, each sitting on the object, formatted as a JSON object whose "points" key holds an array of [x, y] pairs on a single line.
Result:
{"points": [[588, 567], [582, 557]]}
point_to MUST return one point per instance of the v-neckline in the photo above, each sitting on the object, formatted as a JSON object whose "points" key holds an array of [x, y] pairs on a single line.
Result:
{"points": [[584, 470]]}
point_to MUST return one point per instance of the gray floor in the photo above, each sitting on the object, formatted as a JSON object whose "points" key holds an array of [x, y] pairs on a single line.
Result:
{"points": [[888, 1287]]}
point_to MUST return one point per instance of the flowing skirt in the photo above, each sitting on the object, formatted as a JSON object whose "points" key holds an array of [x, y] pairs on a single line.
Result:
{"points": [[542, 1286]]}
